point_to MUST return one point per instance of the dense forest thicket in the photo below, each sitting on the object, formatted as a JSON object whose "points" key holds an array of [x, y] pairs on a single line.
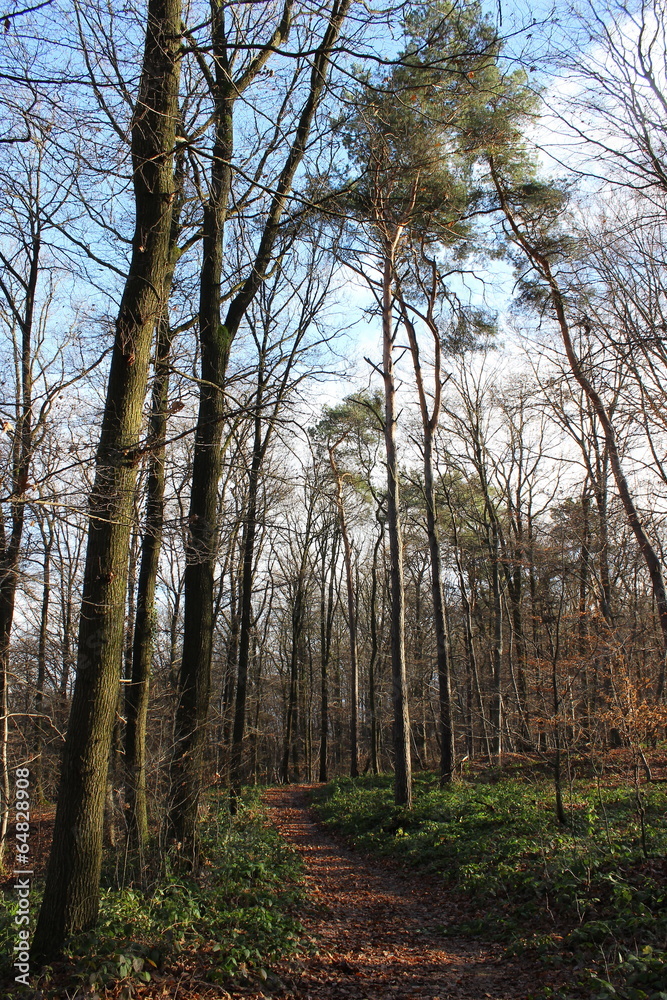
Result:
{"points": [[333, 373]]}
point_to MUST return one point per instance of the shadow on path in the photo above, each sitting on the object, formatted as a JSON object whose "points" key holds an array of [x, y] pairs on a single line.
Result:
{"points": [[379, 934]]}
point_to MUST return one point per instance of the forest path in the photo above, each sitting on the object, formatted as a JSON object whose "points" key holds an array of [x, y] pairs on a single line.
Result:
{"points": [[379, 931]]}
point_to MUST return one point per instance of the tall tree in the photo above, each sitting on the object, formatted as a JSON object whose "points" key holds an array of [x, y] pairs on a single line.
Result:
{"points": [[72, 884], [282, 347], [429, 420], [414, 136], [216, 341]]}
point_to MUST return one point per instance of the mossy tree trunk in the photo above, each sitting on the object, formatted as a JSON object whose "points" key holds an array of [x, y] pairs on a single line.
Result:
{"points": [[71, 893]]}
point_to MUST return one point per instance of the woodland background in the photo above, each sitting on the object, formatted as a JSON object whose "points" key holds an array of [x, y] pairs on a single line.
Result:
{"points": [[332, 360]]}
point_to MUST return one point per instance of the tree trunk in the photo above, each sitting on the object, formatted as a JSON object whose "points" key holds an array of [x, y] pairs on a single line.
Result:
{"points": [[292, 717], [497, 644], [71, 893], [372, 661], [327, 608], [42, 658], [351, 620], [402, 762], [137, 691], [202, 543], [429, 424]]}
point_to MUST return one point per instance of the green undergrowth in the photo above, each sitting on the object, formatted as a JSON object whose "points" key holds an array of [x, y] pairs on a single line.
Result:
{"points": [[584, 894], [236, 917]]}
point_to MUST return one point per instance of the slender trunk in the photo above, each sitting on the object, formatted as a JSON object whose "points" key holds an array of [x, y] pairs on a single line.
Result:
{"points": [[247, 574], [326, 626], [257, 656], [429, 425], [402, 762], [473, 671], [202, 544], [137, 691], [558, 785], [41, 660], [228, 680], [324, 673], [291, 744], [497, 645], [291, 714], [351, 619], [71, 893], [372, 662]]}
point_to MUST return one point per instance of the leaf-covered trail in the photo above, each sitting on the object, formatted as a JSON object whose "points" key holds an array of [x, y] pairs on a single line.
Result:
{"points": [[379, 932]]}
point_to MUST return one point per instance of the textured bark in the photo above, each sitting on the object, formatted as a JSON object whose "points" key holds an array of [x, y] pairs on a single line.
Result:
{"points": [[141, 653], [137, 691], [72, 883]]}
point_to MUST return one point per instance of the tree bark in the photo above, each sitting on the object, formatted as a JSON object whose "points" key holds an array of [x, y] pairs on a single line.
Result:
{"points": [[71, 892], [138, 689]]}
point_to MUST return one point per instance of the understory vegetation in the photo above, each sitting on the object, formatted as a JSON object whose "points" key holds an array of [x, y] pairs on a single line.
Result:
{"points": [[333, 428], [238, 916], [590, 894]]}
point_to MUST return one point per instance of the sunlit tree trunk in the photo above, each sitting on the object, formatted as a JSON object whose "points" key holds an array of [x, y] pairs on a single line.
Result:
{"points": [[402, 759], [71, 892]]}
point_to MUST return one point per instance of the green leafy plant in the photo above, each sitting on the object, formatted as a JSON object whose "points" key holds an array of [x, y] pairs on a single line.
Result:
{"points": [[582, 894], [240, 913]]}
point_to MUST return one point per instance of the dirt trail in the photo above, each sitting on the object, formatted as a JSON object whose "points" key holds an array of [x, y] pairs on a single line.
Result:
{"points": [[379, 932]]}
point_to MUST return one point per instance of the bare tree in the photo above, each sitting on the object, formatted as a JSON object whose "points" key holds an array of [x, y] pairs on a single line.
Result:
{"points": [[72, 885]]}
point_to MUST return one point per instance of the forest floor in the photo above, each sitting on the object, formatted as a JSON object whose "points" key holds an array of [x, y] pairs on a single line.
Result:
{"points": [[432, 909], [377, 932]]}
